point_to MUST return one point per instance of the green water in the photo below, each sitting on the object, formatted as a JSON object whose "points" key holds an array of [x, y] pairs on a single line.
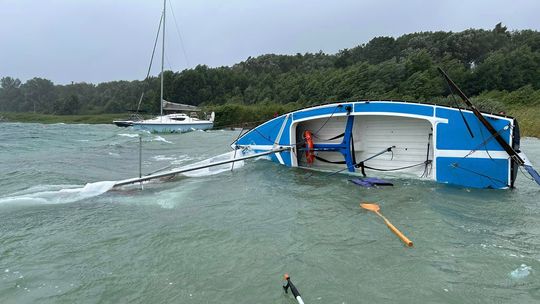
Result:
{"points": [[229, 237]]}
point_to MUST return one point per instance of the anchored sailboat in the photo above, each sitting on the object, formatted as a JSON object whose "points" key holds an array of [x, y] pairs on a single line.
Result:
{"points": [[175, 122]]}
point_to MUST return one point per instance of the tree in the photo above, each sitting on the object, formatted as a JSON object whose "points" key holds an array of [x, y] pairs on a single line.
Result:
{"points": [[10, 94], [380, 49], [69, 106], [40, 95], [478, 60]]}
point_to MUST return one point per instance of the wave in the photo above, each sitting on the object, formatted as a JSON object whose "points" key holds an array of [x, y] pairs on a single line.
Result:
{"points": [[128, 135], [163, 157], [62, 194], [159, 138], [57, 196], [180, 159], [217, 169], [521, 272]]}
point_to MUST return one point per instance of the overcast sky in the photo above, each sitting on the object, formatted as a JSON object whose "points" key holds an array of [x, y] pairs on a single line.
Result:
{"points": [[103, 40]]}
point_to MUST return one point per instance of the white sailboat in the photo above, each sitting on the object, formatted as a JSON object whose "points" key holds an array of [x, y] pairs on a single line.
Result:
{"points": [[176, 122]]}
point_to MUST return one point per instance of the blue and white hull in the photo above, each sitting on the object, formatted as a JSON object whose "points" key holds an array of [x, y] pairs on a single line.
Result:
{"points": [[422, 140]]}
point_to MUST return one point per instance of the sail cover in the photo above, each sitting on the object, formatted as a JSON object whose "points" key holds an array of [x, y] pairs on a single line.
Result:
{"points": [[171, 106]]}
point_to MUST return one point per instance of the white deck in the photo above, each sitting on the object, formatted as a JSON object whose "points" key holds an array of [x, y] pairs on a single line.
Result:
{"points": [[371, 135]]}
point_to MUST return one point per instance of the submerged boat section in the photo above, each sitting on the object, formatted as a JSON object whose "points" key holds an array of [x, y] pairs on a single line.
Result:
{"points": [[364, 137]]}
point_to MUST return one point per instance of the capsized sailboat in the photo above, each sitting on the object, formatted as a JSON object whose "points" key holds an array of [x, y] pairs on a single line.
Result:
{"points": [[441, 143]]}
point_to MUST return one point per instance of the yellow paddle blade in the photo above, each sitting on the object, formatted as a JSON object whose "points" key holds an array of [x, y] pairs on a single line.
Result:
{"points": [[375, 208], [370, 207]]}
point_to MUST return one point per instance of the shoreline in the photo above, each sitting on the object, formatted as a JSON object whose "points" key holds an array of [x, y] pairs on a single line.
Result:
{"points": [[527, 118]]}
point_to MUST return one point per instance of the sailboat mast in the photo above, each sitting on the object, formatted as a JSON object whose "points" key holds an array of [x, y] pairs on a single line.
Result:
{"points": [[162, 57]]}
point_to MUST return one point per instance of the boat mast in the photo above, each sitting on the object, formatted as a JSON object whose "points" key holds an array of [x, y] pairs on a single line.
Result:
{"points": [[162, 59]]}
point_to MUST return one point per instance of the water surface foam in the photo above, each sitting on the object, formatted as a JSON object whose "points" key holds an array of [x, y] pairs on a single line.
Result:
{"points": [[58, 196]]}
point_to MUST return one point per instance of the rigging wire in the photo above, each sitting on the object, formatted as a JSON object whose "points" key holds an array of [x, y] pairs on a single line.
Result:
{"points": [[459, 108], [484, 138], [179, 36], [151, 60], [168, 62], [155, 45], [486, 141]]}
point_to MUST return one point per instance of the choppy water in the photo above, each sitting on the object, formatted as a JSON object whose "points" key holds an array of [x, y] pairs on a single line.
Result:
{"points": [[229, 237]]}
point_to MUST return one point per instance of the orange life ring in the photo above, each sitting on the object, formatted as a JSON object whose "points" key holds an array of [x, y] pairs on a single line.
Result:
{"points": [[310, 152]]}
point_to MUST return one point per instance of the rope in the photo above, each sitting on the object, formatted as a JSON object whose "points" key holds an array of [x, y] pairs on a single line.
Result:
{"points": [[266, 137], [427, 172], [455, 165], [485, 142], [401, 168], [361, 163], [331, 138], [272, 141], [327, 119], [527, 177]]}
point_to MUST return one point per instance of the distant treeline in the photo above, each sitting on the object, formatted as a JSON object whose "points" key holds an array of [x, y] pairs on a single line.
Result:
{"points": [[500, 68]]}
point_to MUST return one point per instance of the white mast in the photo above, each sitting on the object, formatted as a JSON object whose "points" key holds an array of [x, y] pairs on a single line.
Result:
{"points": [[162, 59]]}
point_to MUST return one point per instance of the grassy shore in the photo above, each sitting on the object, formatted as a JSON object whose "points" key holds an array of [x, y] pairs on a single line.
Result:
{"points": [[528, 117], [50, 119]]}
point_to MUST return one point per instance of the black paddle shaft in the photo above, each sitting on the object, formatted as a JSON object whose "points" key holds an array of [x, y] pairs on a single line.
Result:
{"points": [[292, 287]]}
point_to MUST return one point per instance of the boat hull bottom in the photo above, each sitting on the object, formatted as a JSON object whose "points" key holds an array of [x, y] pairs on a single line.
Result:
{"points": [[123, 123]]}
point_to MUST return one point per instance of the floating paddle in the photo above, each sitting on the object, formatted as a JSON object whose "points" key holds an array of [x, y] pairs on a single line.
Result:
{"points": [[294, 291], [375, 208]]}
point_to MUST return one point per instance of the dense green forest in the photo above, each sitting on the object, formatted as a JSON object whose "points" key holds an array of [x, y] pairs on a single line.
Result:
{"points": [[500, 68]]}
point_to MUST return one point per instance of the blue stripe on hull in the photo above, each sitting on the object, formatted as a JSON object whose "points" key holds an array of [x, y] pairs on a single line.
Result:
{"points": [[162, 128], [473, 172], [322, 111], [392, 107]]}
